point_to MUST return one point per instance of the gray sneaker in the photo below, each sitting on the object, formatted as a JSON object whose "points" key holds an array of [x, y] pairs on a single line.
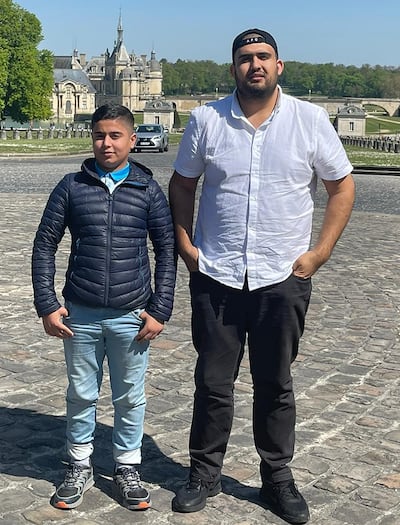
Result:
{"points": [[77, 481], [128, 489]]}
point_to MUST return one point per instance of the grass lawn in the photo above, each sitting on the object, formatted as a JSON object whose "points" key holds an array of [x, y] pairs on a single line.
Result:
{"points": [[53, 146], [382, 125], [370, 157], [57, 146]]}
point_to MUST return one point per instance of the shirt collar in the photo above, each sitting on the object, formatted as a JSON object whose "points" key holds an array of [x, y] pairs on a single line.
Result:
{"points": [[237, 112], [115, 175]]}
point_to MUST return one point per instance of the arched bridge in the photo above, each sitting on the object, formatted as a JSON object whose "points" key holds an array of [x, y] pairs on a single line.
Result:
{"points": [[332, 105]]}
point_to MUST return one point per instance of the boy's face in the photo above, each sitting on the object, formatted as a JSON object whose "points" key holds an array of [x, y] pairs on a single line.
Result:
{"points": [[112, 143]]}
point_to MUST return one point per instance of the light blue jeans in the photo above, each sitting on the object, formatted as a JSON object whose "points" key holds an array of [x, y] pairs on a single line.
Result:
{"points": [[101, 332]]}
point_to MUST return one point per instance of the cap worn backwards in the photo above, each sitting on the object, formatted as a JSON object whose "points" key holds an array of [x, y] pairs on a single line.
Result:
{"points": [[253, 36]]}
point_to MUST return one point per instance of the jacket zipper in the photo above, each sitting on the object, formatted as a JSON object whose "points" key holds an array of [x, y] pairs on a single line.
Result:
{"points": [[108, 246], [110, 197]]}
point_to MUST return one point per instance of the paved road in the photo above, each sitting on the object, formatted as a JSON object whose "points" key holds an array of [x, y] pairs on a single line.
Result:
{"points": [[346, 378], [375, 194]]}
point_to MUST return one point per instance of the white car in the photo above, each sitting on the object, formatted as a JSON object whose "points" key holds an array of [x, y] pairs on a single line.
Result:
{"points": [[151, 137]]}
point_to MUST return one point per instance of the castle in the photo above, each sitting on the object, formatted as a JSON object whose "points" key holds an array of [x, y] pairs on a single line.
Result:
{"points": [[120, 77]]}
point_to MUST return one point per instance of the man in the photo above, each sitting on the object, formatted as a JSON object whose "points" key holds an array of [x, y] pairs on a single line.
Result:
{"points": [[250, 261], [111, 207]]}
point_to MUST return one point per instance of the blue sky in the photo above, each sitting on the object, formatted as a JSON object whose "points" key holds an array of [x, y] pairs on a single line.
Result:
{"points": [[351, 32]]}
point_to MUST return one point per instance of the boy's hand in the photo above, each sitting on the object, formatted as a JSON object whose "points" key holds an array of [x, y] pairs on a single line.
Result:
{"points": [[151, 328], [53, 324]]}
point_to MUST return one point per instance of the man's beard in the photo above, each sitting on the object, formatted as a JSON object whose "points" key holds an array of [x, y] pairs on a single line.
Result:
{"points": [[255, 91]]}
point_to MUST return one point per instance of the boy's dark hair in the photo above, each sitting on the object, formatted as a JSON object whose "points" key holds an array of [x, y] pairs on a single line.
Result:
{"points": [[112, 112]]}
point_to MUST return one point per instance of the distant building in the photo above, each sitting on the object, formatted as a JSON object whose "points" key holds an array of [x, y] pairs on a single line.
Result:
{"points": [[160, 112], [350, 121], [125, 78], [119, 77], [74, 96]]}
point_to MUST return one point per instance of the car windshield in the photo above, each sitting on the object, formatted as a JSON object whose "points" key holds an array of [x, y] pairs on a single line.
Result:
{"points": [[148, 129]]}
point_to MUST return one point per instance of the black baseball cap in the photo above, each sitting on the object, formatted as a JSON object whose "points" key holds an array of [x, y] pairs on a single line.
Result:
{"points": [[253, 36]]}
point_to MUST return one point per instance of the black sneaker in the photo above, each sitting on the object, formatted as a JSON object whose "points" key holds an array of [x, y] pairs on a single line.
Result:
{"points": [[193, 496], [128, 489], [77, 481], [285, 501]]}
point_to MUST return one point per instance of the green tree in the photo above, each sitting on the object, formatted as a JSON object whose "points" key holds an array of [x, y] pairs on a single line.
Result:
{"points": [[186, 77], [171, 79], [3, 74], [391, 86], [298, 78], [374, 78], [26, 74]]}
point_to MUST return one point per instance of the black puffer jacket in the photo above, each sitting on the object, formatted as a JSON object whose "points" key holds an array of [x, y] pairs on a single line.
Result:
{"points": [[109, 262]]}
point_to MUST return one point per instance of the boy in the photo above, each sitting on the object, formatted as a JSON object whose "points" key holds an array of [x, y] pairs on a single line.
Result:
{"points": [[109, 207]]}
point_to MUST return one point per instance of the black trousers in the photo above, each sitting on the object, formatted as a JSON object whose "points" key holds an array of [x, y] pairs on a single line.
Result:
{"points": [[272, 319]]}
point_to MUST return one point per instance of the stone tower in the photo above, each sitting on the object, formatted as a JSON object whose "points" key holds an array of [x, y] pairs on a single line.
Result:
{"points": [[125, 78]]}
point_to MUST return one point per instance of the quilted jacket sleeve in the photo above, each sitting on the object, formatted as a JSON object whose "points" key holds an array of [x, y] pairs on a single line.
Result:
{"points": [[161, 233], [48, 236]]}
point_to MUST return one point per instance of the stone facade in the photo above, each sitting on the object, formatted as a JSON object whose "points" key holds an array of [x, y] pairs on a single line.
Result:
{"points": [[74, 96], [350, 121], [125, 78], [119, 77], [159, 112]]}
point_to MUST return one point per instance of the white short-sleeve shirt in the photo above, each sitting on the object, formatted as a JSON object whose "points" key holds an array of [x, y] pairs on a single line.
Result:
{"points": [[257, 198]]}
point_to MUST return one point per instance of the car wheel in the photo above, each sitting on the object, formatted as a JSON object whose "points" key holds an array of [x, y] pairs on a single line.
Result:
{"points": [[166, 147]]}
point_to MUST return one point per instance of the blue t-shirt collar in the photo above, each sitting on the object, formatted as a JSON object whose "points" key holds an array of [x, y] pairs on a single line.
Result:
{"points": [[115, 175]]}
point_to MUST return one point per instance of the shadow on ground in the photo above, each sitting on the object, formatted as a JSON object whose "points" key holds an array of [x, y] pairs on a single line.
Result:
{"points": [[32, 445]]}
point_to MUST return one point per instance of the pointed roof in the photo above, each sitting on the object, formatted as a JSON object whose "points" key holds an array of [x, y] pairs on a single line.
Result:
{"points": [[77, 76], [120, 54], [120, 31], [67, 62], [154, 63]]}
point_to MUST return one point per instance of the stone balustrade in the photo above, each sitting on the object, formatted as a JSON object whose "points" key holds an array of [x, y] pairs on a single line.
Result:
{"points": [[40, 134], [388, 144]]}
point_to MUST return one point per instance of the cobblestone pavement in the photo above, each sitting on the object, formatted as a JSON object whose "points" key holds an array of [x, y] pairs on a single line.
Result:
{"points": [[347, 383]]}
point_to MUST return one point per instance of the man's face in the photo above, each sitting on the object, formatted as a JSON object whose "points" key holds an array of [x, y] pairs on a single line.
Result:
{"points": [[112, 143], [256, 70]]}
